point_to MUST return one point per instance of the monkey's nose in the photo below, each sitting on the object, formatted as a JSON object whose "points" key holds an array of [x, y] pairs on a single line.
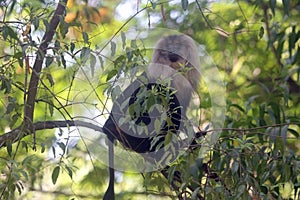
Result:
{"points": [[173, 57]]}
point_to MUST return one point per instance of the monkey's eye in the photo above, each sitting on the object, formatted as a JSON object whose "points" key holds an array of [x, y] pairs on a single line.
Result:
{"points": [[163, 53]]}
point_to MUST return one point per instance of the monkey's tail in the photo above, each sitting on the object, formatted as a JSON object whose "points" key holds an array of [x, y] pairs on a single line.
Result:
{"points": [[110, 192]]}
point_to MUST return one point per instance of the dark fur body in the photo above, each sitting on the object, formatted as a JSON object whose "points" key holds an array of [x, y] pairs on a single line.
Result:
{"points": [[175, 58]]}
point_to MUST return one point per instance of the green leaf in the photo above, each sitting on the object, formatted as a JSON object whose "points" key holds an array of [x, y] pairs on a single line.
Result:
{"points": [[63, 60], [238, 107], [262, 121], [157, 125], [153, 4], [18, 55], [276, 112], [72, 47], [111, 74], [84, 54], [43, 147], [206, 102], [195, 193], [283, 133], [261, 32], [69, 172], [123, 37], [133, 44], [286, 7], [296, 57], [194, 170], [293, 37], [57, 44], [113, 48], [9, 149], [101, 61], [62, 146], [273, 6], [92, 64], [36, 22], [53, 151], [10, 107], [5, 85], [63, 28], [49, 61], [240, 190], [168, 138], [51, 109], [85, 37], [55, 174], [234, 167], [293, 132], [14, 119], [116, 93], [50, 79], [280, 46], [129, 54], [249, 102], [25, 146], [46, 24], [8, 31], [184, 4]]}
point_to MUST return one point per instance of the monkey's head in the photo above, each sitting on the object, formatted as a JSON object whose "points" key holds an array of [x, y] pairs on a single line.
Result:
{"points": [[175, 51], [176, 57]]}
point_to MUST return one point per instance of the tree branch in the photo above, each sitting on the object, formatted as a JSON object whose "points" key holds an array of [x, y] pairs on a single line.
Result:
{"points": [[19, 133], [37, 67]]}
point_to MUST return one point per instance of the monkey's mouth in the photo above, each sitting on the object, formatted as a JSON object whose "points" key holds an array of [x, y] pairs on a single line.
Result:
{"points": [[173, 57], [177, 62]]}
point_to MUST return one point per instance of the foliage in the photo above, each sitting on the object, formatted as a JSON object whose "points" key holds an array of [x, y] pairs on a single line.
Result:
{"points": [[254, 44]]}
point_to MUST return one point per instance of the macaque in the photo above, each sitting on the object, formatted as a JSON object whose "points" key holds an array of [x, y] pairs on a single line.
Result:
{"points": [[169, 81]]}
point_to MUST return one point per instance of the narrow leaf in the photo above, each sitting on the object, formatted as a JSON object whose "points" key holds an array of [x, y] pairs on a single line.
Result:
{"points": [[168, 138], [69, 172], [49, 61], [184, 4], [261, 32], [55, 174], [153, 4], [72, 47], [9, 149], [273, 6], [113, 48], [92, 64], [51, 109], [286, 5], [84, 54], [111, 74], [63, 60], [101, 61], [157, 125], [123, 37], [85, 37]]}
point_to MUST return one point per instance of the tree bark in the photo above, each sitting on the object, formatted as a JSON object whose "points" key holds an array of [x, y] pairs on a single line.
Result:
{"points": [[37, 67]]}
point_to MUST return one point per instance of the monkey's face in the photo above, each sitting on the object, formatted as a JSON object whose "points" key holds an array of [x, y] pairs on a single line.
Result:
{"points": [[172, 59], [176, 54], [175, 51]]}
